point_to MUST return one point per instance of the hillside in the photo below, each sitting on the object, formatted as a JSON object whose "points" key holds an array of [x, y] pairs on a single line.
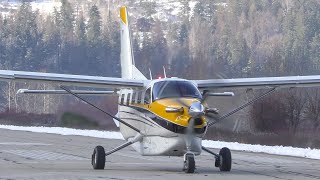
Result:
{"points": [[191, 39]]}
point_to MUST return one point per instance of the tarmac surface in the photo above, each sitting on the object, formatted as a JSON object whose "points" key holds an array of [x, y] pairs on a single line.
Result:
{"points": [[27, 155]]}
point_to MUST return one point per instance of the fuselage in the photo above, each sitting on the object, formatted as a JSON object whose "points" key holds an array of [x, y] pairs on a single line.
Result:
{"points": [[160, 112]]}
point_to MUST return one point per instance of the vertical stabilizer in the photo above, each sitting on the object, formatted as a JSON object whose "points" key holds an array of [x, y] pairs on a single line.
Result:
{"points": [[128, 70]]}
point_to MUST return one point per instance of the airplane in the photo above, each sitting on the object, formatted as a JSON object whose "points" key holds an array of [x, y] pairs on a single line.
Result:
{"points": [[159, 117]]}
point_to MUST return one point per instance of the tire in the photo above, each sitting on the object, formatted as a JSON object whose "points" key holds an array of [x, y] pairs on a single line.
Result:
{"points": [[189, 164], [98, 160], [225, 159]]}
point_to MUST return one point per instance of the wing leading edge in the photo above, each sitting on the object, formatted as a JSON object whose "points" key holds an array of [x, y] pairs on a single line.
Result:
{"points": [[70, 80], [263, 82]]}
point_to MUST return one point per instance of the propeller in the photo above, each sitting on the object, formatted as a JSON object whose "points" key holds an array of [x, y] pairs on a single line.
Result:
{"points": [[197, 110]]}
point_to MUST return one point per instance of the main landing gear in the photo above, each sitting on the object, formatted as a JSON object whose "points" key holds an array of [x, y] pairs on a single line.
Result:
{"points": [[98, 159], [223, 159]]}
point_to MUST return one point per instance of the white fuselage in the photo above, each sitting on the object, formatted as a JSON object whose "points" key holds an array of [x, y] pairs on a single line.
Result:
{"points": [[156, 141], [159, 134]]}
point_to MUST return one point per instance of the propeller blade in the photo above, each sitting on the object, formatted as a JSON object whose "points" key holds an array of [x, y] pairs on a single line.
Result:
{"points": [[182, 102]]}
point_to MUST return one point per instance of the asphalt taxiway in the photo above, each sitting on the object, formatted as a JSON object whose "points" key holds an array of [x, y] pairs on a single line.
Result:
{"points": [[27, 155]]}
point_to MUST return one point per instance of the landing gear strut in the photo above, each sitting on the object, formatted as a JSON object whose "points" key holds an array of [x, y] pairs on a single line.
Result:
{"points": [[99, 155]]}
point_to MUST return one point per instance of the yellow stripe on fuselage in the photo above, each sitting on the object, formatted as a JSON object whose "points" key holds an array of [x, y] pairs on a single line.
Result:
{"points": [[181, 118], [123, 14]]}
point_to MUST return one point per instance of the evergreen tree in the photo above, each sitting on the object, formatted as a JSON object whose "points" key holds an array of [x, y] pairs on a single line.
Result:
{"points": [[65, 18], [94, 41], [159, 57], [27, 40], [79, 53]]}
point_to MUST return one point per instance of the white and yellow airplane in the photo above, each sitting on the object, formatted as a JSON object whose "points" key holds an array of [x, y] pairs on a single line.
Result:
{"points": [[163, 117]]}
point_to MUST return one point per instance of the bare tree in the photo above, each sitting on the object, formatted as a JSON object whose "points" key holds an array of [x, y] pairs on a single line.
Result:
{"points": [[313, 107], [296, 101], [200, 45]]}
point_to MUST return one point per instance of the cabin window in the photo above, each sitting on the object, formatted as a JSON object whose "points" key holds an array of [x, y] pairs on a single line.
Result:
{"points": [[147, 96], [122, 99], [128, 98], [139, 97], [133, 98]]}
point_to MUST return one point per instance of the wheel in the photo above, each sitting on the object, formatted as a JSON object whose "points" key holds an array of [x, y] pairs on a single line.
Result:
{"points": [[189, 164], [225, 159], [98, 160]]}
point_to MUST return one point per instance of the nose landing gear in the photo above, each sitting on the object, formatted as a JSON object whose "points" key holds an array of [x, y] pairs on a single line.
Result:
{"points": [[189, 164]]}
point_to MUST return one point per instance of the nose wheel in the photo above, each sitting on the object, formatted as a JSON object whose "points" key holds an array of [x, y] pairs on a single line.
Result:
{"points": [[189, 164]]}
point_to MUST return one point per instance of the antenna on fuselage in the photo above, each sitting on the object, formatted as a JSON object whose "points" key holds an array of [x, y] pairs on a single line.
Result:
{"points": [[164, 72], [150, 74]]}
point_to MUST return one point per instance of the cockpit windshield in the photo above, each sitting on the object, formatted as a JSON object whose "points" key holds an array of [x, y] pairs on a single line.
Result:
{"points": [[174, 89]]}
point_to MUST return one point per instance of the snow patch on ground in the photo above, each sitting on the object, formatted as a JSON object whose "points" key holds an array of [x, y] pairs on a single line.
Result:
{"points": [[66, 131], [278, 150]]}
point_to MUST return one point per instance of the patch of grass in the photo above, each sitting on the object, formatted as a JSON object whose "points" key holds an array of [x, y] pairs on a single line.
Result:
{"points": [[73, 120]]}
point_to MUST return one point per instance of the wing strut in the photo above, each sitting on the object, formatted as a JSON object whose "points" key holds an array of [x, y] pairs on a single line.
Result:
{"points": [[242, 107], [105, 112]]}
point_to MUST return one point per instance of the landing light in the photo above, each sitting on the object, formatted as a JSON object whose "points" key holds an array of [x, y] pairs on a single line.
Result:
{"points": [[159, 77]]}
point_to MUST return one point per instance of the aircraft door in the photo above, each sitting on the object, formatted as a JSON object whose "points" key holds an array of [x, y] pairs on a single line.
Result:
{"points": [[147, 96]]}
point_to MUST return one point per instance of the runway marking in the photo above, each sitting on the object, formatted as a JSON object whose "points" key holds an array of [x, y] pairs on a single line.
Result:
{"points": [[24, 144], [43, 155]]}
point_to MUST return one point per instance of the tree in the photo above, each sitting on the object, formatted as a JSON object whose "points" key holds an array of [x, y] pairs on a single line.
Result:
{"points": [[65, 19], [269, 114], [26, 49], [79, 52], [313, 107], [94, 41], [315, 53], [200, 47], [296, 101], [159, 58]]}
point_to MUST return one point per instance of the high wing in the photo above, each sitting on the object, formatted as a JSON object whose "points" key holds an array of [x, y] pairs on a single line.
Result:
{"points": [[63, 92], [263, 82], [70, 80]]}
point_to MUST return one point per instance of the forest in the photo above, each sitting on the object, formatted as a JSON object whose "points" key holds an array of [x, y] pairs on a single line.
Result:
{"points": [[214, 39]]}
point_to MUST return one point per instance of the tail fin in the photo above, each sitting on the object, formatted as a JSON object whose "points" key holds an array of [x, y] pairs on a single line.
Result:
{"points": [[128, 69]]}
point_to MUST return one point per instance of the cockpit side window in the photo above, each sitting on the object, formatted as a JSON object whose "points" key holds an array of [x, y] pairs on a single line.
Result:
{"points": [[147, 96]]}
